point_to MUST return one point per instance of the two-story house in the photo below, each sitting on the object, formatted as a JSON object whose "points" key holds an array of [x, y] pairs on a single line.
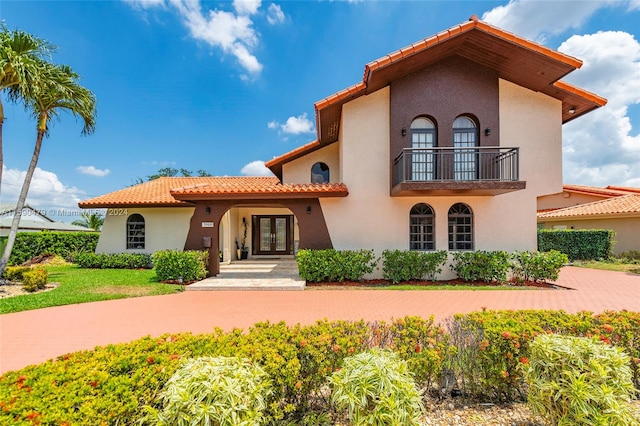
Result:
{"points": [[444, 145]]}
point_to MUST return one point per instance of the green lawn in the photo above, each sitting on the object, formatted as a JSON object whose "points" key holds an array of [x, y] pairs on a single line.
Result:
{"points": [[89, 285], [609, 265]]}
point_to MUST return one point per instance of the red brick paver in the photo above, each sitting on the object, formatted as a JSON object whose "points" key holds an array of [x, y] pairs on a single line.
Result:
{"points": [[32, 337]]}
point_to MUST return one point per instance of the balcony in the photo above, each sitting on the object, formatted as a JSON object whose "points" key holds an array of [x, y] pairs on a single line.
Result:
{"points": [[456, 171]]}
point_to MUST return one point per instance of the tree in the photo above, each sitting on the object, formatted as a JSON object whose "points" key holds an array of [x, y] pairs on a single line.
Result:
{"points": [[171, 172], [56, 91], [22, 57], [90, 220]]}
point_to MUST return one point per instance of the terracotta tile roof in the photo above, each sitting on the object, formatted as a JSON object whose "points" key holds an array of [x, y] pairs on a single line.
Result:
{"points": [[477, 41], [275, 164], [257, 187], [176, 191], [609, 191], [625, 205], [624, 188]]}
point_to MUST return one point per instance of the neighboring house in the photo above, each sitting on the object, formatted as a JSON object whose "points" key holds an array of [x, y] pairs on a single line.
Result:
{"points": [[587, 207], [444, 145], [32, 220]]}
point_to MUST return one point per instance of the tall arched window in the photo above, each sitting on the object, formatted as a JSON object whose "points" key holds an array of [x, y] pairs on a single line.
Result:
{"points": [[465, 156], [460, 227], [135, 232], [320, 173], [421, 228], [423, 138]]}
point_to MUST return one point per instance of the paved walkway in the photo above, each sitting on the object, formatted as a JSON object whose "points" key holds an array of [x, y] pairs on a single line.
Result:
{"points": [[254, 274], [34, 336]]}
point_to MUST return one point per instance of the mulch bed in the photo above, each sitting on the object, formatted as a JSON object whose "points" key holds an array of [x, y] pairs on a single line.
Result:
{"points": [[454, 282]]}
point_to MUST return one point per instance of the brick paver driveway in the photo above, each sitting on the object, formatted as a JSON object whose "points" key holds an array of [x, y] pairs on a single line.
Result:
{"points": [[34, 336]]}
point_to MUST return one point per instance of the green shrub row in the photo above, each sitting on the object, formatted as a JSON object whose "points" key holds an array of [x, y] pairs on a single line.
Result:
{"points": [[66, 244], [404, 265], [335, 265], [483, 354], [113, 260], [581, 244], [174, 265]]}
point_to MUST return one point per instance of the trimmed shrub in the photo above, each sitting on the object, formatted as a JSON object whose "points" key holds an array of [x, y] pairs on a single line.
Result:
{"points": [[579, 244], [14, 273], [409, 265], [481, 265], [186, 265], [31, 244], [216, 391], [113, 260], [538, 266], [579, 381], [335, 265], [376, 388], [35, 279]]}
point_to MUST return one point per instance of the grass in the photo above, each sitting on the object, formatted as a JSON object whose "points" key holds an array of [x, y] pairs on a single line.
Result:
{"points": [[610, 265], [79, 285]]}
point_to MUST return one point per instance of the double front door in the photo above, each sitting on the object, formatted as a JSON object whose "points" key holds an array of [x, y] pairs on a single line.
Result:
{"points": [[273, 234]]}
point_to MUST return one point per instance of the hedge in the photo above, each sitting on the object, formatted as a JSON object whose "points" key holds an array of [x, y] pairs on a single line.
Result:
{"points": [[66, 244], [335, 265], [175, 265], [485, 352], [579, 244], [113, 260]]}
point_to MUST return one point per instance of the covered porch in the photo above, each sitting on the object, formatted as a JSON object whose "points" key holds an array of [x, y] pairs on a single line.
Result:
{"points": [[279, 273]]}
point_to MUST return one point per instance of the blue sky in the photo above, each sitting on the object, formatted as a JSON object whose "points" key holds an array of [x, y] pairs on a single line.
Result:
{"points": [[224, 86]]}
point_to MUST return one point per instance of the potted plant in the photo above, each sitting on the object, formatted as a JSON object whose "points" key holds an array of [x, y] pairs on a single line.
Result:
{"points": [[244, 250], [238, 251]]}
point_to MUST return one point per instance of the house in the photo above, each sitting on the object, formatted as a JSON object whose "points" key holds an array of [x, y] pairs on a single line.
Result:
{"points": [[444, 145], [587, 207], [32, 220]]}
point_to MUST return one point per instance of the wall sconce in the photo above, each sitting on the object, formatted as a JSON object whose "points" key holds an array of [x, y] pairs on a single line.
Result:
{"points": [[308, 209], [207, 210], [404, 131], [572, 110], [487, 132]]}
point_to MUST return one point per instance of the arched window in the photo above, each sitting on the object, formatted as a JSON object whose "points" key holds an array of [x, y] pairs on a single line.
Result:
{"points": [[423, 138], [421, 228], [465, 156], [320, 173], [460, 227], [135, 232]]}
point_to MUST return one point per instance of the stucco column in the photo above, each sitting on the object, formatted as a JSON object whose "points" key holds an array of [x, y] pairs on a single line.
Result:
{"points": [[205, 229]]}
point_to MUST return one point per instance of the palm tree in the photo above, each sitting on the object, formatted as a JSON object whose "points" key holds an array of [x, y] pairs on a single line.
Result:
{"points": [[21, 60], [92, 221], [57, 91]]}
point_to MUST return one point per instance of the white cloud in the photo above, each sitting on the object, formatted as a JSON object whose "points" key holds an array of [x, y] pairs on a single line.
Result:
{"points": [[294, 125], [230, 31], [145, 4], [246, 7], [600, 148], [634, 5], [275, 15], [256, 168], [46, 190], [93, 171], [536, 20]]}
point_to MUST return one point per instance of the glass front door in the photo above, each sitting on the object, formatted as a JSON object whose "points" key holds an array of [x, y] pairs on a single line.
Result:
{"points": [[273, 234]]}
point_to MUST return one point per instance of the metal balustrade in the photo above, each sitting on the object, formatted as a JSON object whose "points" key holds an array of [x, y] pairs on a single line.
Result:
{"points": [[456, 164]]}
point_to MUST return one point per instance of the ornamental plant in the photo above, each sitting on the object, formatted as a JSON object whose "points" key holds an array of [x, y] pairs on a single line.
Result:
{"points": [[335, 265], [408, 265], [186, 265], [481, 265], [579, 381], [215, 391], [35, 279], [376, 388], [537, 266], [113, 260]]}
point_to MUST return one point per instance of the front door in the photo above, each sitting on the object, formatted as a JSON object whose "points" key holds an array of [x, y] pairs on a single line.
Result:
{"points": [[273, 234]]}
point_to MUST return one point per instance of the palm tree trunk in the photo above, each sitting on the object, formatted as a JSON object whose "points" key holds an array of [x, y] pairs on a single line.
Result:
{"points": [[23, 197], [1, 156]]}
